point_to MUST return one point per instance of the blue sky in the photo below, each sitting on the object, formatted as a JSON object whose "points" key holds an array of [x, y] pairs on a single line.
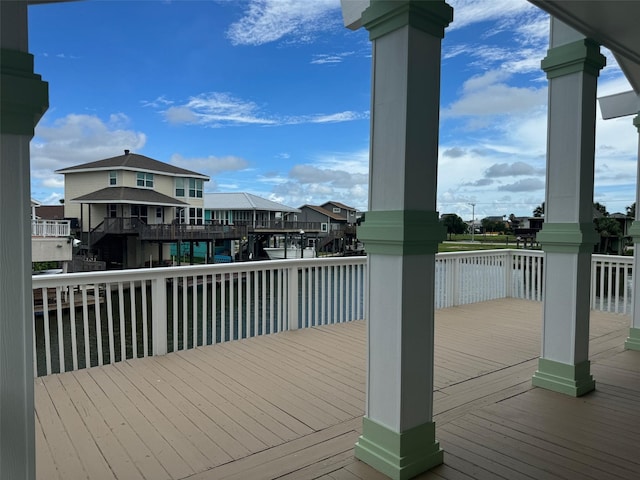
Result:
{"points": [[272, 97]]}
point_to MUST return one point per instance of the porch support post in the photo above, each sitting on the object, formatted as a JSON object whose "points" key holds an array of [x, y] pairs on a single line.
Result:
{"points": [[23, 100], [633, 341], [401, 234], [572, 65]]}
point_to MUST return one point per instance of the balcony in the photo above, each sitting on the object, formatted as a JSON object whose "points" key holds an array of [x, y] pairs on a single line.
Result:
{"points": [[267, 378], [50, 228]]}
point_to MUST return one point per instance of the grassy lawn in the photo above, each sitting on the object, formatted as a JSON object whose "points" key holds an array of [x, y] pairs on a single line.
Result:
{"points": [[463, 246]]}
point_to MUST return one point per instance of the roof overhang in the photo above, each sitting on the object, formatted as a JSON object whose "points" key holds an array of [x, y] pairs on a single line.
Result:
{"points": [[613, 24], [619, 105], [129, 196]]}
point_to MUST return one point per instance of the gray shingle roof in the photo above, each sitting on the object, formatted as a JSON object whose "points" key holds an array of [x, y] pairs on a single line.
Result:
{"points": [[129, 195], [132, 161], [243, 201], [326, 212]]}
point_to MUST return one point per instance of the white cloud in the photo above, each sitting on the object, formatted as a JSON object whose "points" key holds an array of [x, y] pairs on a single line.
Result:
{"points": [[467, 12], [75, 139], [326, 58], [267, 21], [216, 109], [78, 138], [488, 94], [210, 165]]}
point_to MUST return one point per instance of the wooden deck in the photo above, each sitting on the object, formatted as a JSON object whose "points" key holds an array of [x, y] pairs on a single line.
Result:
{"points": [[289, 406]]}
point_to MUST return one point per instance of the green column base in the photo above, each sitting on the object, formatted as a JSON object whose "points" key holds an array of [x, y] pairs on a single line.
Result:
{"points": [[574, 380], [399, 455], [633, 340]]}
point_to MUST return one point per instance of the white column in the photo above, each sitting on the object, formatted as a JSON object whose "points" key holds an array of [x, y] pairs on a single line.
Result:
{"points": [[23, 99], [401, 233], [633, 340], [568, 235]]}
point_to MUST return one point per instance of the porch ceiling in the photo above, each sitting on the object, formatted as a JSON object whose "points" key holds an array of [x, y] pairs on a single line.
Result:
{"points": [[612, 24]]}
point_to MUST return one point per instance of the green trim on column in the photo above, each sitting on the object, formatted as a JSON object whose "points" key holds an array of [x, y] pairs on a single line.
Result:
{"points": [[385, 16], [399, 455], [633, 340], [581, 56], [24, 97], [636, 121], [574, 380], [568, 237], [401, 232]]}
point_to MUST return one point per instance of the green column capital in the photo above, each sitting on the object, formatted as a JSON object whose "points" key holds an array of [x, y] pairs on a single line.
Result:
{"points": [[568, 237], [636, 121], [24, 97], [401, 232], [581, 56], [385, 16]]}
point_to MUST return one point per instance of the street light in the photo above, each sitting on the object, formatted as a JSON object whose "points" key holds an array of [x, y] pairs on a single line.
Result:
{"points": [[473, 220]]}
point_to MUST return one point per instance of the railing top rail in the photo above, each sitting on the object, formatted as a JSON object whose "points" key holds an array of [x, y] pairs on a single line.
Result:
{"points": [[494, 253], [132, 275], [627, 259]]}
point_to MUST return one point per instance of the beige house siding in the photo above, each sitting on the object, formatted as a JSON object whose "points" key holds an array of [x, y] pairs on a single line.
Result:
{"points": [[78, 184]]}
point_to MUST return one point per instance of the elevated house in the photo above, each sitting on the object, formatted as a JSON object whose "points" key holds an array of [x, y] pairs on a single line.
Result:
{"points": [[129, 208], [337, 225]]}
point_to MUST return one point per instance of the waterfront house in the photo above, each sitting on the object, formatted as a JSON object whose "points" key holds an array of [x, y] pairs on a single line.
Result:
{"points": [[116, 200], [398, 436], [337, 225]]}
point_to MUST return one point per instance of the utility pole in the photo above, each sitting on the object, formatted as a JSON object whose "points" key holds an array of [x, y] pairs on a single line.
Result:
{"points": [[473, 220]]}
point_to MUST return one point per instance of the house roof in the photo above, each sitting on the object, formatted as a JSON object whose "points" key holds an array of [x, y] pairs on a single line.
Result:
{"points": [[133, 161], [243, 201], [50, 212], [338, 204], [140, 196], [324, 211]]}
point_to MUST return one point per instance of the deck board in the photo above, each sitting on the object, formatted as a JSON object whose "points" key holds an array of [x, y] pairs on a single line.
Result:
{"points": [[289, 406]]}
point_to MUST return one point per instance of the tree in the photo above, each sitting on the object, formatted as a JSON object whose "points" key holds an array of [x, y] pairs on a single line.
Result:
{"points": [[607, 228], [496, 226], [454, 224], [600, 208], [539, 211], [631, 210]]}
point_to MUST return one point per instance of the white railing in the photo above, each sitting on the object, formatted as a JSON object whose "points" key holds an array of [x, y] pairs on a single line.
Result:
{"points": [[478, 276], [95, 318], [88, 319], [611, 283], [50, 228]]}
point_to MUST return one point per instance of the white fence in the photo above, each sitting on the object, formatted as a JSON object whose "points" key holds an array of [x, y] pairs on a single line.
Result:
{"points": [[50, 228], [89, 319]]}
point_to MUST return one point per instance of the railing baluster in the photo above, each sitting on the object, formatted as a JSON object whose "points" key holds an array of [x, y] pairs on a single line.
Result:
{"points": [[85, 324], [145, 328], [174, 312], [134, 323], [60, 329], [96, 305], [223, 310], [47, 333], [123, 342], [185, 313]]}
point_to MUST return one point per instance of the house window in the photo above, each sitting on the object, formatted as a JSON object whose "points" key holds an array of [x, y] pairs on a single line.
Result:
{"points": [[336, 209], [113, 178], [195, 216], [179, 187], [324, 227], [112, 210], [144, 180], [159, 215], [195, 188]]}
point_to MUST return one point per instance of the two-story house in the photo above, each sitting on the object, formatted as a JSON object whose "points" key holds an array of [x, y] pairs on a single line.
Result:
{"points": [[337, 222], [126, 205]]}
